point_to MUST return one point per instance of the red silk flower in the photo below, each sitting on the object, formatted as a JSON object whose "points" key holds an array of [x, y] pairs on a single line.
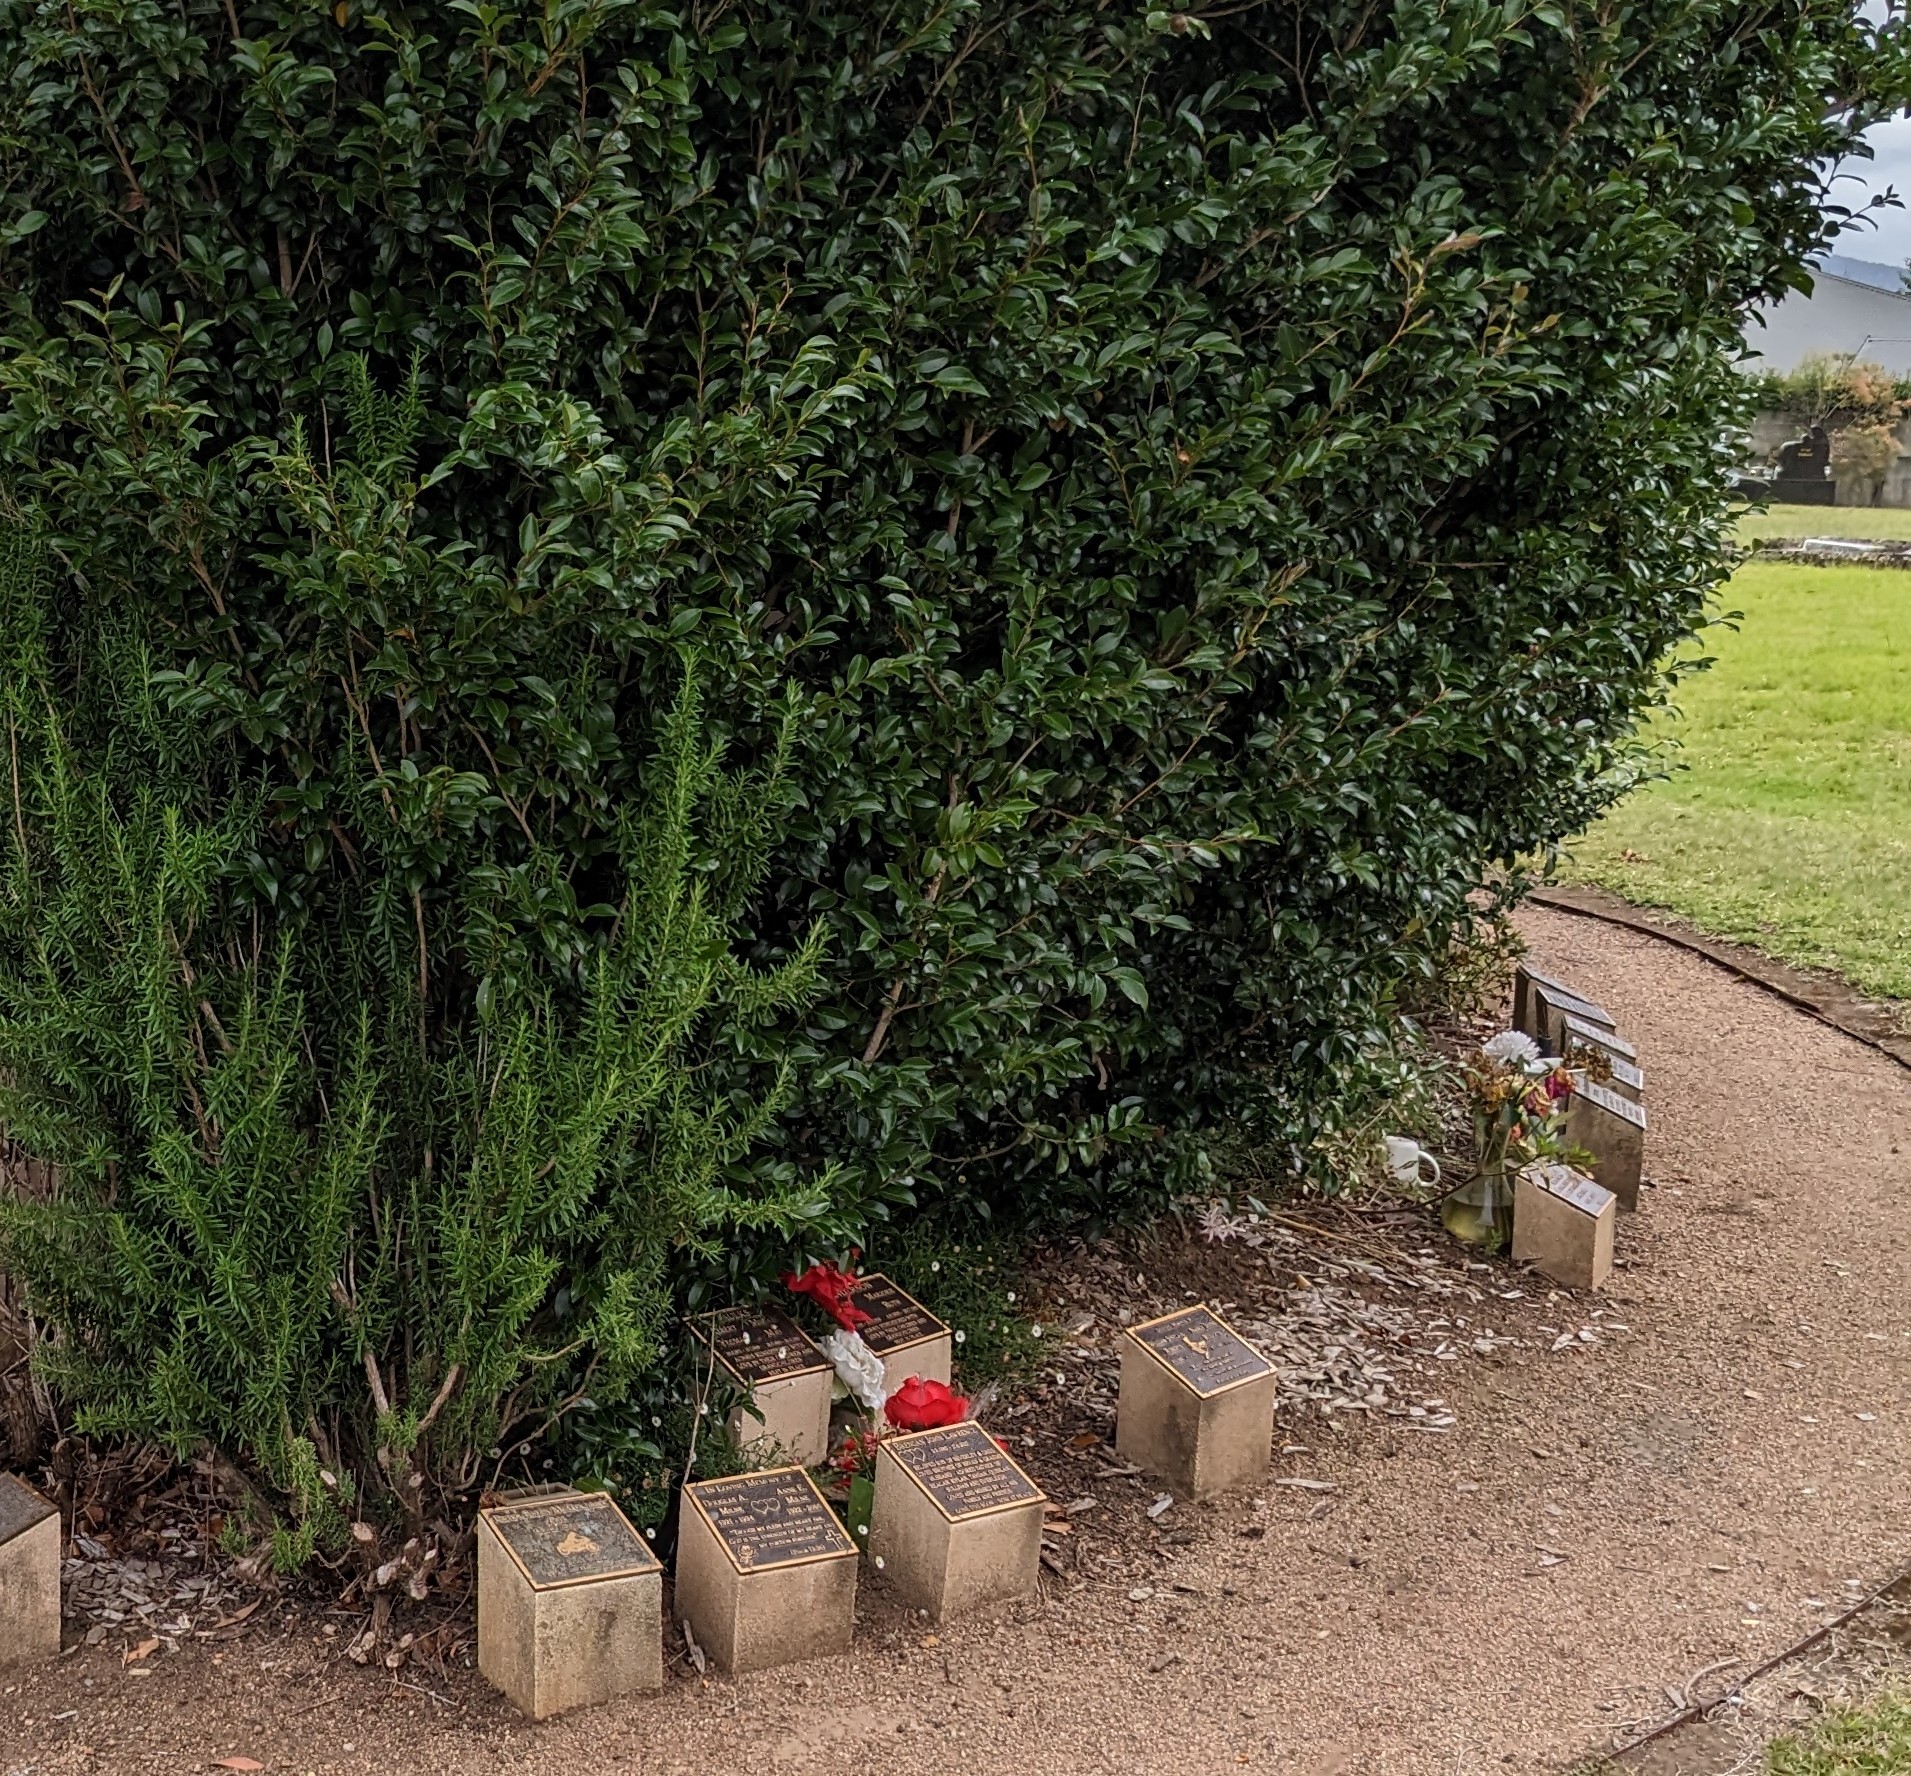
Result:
{"points": [[920, 1405], [831, 1289]]}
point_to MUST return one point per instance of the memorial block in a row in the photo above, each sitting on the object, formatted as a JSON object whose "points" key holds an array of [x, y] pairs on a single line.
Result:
{"points": [[1587, 1049], [766, 1573], [1612, 1128], [1196, 1404], [957, 1524], [908, 1338], [764, 1350], [1563, 1225], [570, 1603], [29, 1574]]}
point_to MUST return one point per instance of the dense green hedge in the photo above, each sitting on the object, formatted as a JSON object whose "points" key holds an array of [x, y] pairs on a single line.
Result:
{"points": [[1192, 491]]}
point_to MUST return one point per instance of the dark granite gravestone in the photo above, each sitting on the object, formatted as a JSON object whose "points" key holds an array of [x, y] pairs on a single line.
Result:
{"points": [[1804, 471]]}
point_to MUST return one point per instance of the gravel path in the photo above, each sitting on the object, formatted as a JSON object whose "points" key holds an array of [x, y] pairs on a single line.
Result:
{"points": [[1602, 1522]]}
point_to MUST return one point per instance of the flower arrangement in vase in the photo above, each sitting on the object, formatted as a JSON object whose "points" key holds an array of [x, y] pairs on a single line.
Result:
{"points": [[1519, 1098]]}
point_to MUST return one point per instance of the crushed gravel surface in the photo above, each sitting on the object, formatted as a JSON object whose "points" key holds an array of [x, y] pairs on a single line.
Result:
{"points": [[1599, 1499]]}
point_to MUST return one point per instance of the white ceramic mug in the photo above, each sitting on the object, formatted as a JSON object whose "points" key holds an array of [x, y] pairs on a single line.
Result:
{"points": [[1405, 1158]]}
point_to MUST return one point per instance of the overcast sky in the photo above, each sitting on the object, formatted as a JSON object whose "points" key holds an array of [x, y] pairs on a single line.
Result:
{"points": [[1886, 235]]}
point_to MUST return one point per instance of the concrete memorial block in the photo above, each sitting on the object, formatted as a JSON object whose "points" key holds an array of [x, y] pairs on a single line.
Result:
{"points": [[766, 1573], [1613, 1130], [1525, 979], [1197, 1402], [957, 1524], [1551, 1008], [29, 1574], [1587, 1062], [908, 1338], [1563, 1225], [1576, 1029], [570, 1603], [763, 1349]]}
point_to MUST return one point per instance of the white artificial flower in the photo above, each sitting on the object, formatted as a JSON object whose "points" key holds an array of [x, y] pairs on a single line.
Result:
{"points": [[858, 1368], [1514, 1047]]}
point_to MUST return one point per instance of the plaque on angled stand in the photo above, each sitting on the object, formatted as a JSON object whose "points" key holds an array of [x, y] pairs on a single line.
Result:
{"points": [[766, 1573], [908, 1338], [1525, 979], [1613, 1130], [1552, 1007], [1563, 1225], [1584, 1045], [957, 1524], [570, 1603], [764, 1350], [29, 1574], [1197, 1402]]}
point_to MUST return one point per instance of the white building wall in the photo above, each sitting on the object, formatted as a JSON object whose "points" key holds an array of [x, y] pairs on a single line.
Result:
{"points": [[1839, 316]]}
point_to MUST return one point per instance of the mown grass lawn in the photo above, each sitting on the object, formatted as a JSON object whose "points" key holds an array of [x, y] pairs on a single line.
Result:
{"points": [[1790, 828], [1828, 521], [1872, 1740]]}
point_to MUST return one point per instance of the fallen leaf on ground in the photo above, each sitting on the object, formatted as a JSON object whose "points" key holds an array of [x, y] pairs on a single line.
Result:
{"points": [[134, 1654], [238, 1763]]}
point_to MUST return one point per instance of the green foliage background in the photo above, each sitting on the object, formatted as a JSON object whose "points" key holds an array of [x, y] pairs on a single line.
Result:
{"points": [[1169, 500]]}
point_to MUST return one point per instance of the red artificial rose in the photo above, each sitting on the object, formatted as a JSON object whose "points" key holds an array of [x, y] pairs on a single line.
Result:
{"points": [[920, 1405], [831, 1289]]}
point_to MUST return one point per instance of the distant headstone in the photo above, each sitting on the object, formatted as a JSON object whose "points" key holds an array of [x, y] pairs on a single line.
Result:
{"points": [[570, 1603], [1613, 1130], [1563, 1225], [766, 1573], [957, 1524], [908, 1338], [1804, 471], [764, 1350], [1197, 1402], [29, 1574]]}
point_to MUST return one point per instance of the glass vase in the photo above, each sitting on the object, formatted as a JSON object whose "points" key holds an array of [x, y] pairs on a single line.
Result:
{"points": [[1480, 1212]]}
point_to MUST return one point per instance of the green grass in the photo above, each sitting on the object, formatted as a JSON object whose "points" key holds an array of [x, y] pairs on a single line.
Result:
{"points": [[1827, 521], [1874, 1740], [1791, 826]]}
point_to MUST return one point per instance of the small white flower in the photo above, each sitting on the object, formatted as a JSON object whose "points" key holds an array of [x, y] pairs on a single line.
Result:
{"points": [[1514, 1047], [962, 1338], [879, 1563], [1011, 1294], [858, 1368], [935, 1264], [650, 1534], [1036, 1330]]}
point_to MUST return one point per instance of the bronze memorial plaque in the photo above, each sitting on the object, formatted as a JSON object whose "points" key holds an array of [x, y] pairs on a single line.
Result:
{"points": [[965, 1472], [1202, 1351], [761, 1344], [776, 1518], [896, 1320], [21, 1508], [570, 1538]]}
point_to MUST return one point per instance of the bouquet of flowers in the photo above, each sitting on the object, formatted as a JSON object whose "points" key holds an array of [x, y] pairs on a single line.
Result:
{"points": [[1519, 1099]]}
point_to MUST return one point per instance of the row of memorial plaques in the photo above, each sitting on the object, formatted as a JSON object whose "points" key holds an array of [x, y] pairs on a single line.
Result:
{"points": [[1563, 1220], [570, 1598], [1607, 1116], [766, 1573]]}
